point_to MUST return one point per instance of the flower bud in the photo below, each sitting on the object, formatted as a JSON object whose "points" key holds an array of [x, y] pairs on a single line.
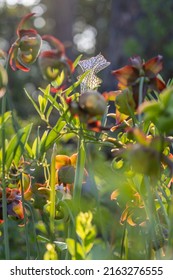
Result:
{"points": [[93, 103], [66, 174]]}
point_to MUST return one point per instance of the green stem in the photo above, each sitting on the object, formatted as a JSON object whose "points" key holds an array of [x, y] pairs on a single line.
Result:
{"points": [[79, 174], [124, 245], [141, 87], [25, 219], [70, 227], [95, 194], [169, 250], [34, 231], [152, 214], [52, 189], [134, 119], [4, 198], [163, 209]]}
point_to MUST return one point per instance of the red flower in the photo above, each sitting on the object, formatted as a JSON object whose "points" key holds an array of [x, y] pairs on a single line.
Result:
{"points": [[53, 62], [129, 75], [26, 48]]}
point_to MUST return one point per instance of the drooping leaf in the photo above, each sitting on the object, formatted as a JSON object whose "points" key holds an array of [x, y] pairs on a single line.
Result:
{"points": [[36, 147], [33, 103], [52, 136], [4, 119], [16, 146]]}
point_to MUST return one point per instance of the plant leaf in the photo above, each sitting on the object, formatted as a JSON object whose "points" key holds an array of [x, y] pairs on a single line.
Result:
{"points": [[52, 136], [16, 146]]}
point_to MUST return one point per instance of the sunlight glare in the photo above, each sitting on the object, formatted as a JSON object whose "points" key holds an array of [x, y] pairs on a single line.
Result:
{"points": [[23, 2]]}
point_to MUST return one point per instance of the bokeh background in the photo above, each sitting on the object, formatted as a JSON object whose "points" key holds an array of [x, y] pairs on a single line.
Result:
{"points": [[116, 28]]}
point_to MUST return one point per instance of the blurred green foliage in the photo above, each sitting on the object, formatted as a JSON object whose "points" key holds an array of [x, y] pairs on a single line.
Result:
{"points": [[153, 32], [99, 233]]}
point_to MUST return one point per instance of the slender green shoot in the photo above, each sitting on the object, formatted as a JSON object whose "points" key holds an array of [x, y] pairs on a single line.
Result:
{"points": [[141, 88], [25, 220], [52, 189], [79, 174], [4, 198]]}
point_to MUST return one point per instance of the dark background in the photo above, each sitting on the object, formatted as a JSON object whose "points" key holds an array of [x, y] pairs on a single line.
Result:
{"points": [[116, 28]]}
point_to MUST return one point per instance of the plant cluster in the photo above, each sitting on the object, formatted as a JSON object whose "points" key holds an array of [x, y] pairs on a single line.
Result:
{"points": [[80, 203]]}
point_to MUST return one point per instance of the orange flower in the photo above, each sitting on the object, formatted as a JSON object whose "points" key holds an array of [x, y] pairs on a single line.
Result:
{"points": [[134, 213]]}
